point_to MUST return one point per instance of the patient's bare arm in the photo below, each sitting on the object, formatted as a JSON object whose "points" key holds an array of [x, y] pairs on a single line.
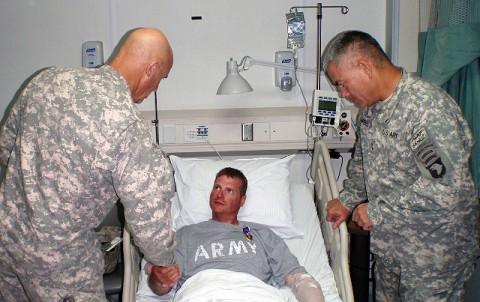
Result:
{"points": [[162, 279], [305, 287]]}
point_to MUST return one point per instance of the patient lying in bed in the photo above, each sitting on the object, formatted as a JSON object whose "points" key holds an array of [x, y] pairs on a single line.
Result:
{"points": [[238, 259]]}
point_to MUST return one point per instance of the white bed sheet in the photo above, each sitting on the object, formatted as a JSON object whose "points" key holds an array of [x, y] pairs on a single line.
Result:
{"points": [[309, 249]]}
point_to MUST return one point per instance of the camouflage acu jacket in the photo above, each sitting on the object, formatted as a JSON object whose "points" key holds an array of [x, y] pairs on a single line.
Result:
{"points": [[73, 144], [412, 163]]}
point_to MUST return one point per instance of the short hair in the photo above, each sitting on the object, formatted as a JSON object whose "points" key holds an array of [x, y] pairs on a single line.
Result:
{"points": [[351, 43], [235, 173]]}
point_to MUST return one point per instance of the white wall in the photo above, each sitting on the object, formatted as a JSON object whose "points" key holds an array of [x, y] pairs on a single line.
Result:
{"points": [[41, 33], [409, 27], [37, 34]]}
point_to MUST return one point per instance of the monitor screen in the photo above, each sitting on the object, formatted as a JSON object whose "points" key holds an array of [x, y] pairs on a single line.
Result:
{"points": [[326, 105]]}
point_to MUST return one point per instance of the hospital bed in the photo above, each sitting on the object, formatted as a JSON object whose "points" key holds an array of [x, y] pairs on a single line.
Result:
{"points": [[324, 256]]}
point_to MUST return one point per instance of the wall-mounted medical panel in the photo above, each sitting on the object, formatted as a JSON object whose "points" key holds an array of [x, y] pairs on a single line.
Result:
{"points": [[223, 130]]}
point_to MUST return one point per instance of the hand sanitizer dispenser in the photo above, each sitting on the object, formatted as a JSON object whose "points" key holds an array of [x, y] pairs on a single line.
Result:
{"points": [[284, 78], [92, 54]]}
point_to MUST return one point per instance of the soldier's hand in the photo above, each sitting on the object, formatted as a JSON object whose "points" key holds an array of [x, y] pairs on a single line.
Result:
{"points": [[162, 279], [167, 276], [336, 212], [360, 216]]}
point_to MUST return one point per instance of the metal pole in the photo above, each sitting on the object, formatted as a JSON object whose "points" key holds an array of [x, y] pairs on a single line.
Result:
{"points": [[319, 7], [157, 134], [319, 43]]}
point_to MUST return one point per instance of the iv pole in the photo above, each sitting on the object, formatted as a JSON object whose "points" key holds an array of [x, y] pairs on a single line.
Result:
{"points": [[344, 9], [320, 7], [155, 121]]}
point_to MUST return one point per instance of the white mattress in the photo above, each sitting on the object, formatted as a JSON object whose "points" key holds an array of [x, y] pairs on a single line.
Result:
{"points": [[310, 249]]}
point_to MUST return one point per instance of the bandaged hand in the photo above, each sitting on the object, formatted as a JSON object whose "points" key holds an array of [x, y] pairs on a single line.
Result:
{"points": [[305, 287]]}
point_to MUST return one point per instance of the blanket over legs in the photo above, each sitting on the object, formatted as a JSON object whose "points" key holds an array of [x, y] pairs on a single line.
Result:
{"points": [[216, 285]]}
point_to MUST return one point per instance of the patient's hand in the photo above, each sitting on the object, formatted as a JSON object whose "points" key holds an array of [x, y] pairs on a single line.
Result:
{"points": [[162, 278], [336, 212]]}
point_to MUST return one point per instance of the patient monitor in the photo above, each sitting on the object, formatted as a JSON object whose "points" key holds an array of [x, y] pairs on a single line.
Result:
{"points": [[326, 108]]}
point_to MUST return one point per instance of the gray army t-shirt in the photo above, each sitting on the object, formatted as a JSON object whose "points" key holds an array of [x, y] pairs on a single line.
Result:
{"points": [[216, 245]]}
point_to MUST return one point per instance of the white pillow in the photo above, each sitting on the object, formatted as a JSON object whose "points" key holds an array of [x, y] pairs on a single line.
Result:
{"points": [[268, 195]]}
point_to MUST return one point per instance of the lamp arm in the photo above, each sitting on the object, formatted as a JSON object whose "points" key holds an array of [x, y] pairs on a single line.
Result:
{"points": [[248, 62], [344, 9]]}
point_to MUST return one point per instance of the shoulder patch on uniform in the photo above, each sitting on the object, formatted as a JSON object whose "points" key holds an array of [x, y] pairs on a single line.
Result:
{"points": [[419, 137], [426, 153]]}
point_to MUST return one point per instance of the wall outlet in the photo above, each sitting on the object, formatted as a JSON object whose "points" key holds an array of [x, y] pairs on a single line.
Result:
{"points": [[195, 134], [247, 132]]}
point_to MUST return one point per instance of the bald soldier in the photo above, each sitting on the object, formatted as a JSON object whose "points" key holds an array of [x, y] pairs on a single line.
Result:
{"points": [[73, 144]]}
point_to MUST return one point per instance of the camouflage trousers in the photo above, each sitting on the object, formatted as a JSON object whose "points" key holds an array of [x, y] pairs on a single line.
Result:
{"points": [[27, 278], [396, 282]]}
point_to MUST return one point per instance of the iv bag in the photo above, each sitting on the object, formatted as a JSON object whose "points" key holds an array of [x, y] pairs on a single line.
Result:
{"points": [[295, 30]]}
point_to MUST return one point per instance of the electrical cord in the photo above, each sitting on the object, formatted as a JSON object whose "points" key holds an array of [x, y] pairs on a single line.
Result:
{"points": [[211, 146], [340, 169], [308, 126]]}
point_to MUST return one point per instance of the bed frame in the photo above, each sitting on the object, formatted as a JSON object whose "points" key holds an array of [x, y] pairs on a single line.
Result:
{"points": [[131, 267], [336, 241]]}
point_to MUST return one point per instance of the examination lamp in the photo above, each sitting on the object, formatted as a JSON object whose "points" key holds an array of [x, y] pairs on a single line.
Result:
{"points": [[235, 83]]}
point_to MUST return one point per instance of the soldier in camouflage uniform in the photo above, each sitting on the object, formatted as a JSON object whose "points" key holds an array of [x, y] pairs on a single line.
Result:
{"points": [[73, 144], [411, 163]]}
